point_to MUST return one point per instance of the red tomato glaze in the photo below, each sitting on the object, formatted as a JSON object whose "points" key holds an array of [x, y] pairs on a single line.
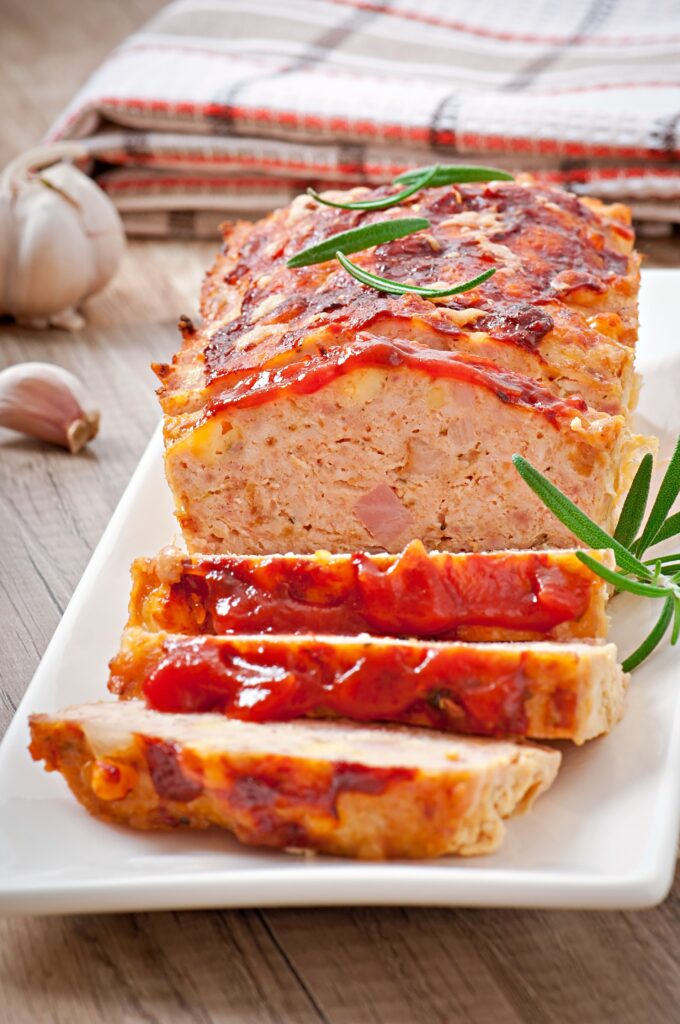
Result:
{"points": [[479, 691], [410, 594], [310, 375]]}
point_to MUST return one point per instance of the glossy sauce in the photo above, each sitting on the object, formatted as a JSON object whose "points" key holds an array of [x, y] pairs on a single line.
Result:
{"points": [[410, 594], [466, 690]]}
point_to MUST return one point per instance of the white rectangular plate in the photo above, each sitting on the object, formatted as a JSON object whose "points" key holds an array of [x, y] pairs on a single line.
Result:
{"points": [[604, 836]]}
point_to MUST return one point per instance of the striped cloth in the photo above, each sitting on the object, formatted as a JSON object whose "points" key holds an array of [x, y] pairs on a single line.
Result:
{"points": [[231, 107]]}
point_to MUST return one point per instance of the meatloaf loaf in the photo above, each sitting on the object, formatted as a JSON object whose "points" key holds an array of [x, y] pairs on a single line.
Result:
{"points": [[358, 791], [504, 595], [543, 691], [310, 411]]}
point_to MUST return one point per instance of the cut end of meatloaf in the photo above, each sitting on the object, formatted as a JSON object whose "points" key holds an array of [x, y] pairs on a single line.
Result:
{"points": [[503, 595], [377, 444], [543, 691], [336, 788]]}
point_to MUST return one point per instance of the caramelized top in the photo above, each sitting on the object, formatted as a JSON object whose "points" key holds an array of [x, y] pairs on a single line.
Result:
{"points": [[561, 307], [545, 244]]}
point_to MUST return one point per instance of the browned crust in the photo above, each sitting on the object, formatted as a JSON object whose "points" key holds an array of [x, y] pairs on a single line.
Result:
{"points": [[293, 803], [560, 309]]}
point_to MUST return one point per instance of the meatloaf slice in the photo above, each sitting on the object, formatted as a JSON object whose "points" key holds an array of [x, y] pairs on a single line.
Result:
{"points": [[561, 307], [504, 595], [367, 792], [544, 691], [376, 443]]}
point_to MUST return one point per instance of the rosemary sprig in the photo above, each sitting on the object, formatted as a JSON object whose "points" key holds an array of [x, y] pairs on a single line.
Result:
{"points": [[357, 239], [671, 568], [619, 580], [422, 180], [453, 174], [423, 177], [577, 521], [653, 639], [671, 528], [668, 492], [634, 506], [384, 284], [657, 578]]}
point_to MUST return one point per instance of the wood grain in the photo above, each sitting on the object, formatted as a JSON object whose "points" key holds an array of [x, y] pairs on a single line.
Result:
{"points": [[336, 966]]}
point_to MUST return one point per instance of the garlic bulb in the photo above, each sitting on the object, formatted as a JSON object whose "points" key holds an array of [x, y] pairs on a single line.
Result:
{"points": [[61, 238], [48, 402]]}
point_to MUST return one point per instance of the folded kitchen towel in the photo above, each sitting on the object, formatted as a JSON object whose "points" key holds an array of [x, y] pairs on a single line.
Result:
{"points": [[219, 108]]}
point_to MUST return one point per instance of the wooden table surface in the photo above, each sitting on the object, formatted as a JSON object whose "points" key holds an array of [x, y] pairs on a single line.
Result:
{"points": [[341, 966]]}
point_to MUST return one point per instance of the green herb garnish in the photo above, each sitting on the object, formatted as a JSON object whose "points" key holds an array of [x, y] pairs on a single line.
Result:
{"points": [[453, 174], [422, 180], [657, 578], [580, 524], [423, 177], [653, 639], [358, 239], [365, 237], [384, 284], [634, 506], [668, 492]]}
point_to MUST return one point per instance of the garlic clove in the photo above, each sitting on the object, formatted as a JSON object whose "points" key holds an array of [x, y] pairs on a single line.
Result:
{"points": [[99, 219], [47, 402], [61, 237], [50, 271]]}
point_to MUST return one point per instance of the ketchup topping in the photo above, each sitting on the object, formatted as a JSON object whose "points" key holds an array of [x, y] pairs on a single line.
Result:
{"points": [[312, 374], [409, 594], [472, 690]]}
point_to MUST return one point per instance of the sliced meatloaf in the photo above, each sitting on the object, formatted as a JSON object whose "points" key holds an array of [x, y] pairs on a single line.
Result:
{"points": [[544, 691], [504, 595], [366, 791], [376, 443], [561, 308]]}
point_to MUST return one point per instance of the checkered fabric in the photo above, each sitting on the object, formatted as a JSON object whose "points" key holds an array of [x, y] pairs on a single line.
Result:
{"points": [[219, 108]]}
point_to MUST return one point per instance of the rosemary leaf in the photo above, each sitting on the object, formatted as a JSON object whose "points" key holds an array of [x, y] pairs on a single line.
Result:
{"points": [[581, 525], [676, 620], [620, 581], [635, 504], [356, 239], [383, 284], [452, 174], [653, 640], [422, 180], [670, 528], [668, 492], [663, 559]]}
